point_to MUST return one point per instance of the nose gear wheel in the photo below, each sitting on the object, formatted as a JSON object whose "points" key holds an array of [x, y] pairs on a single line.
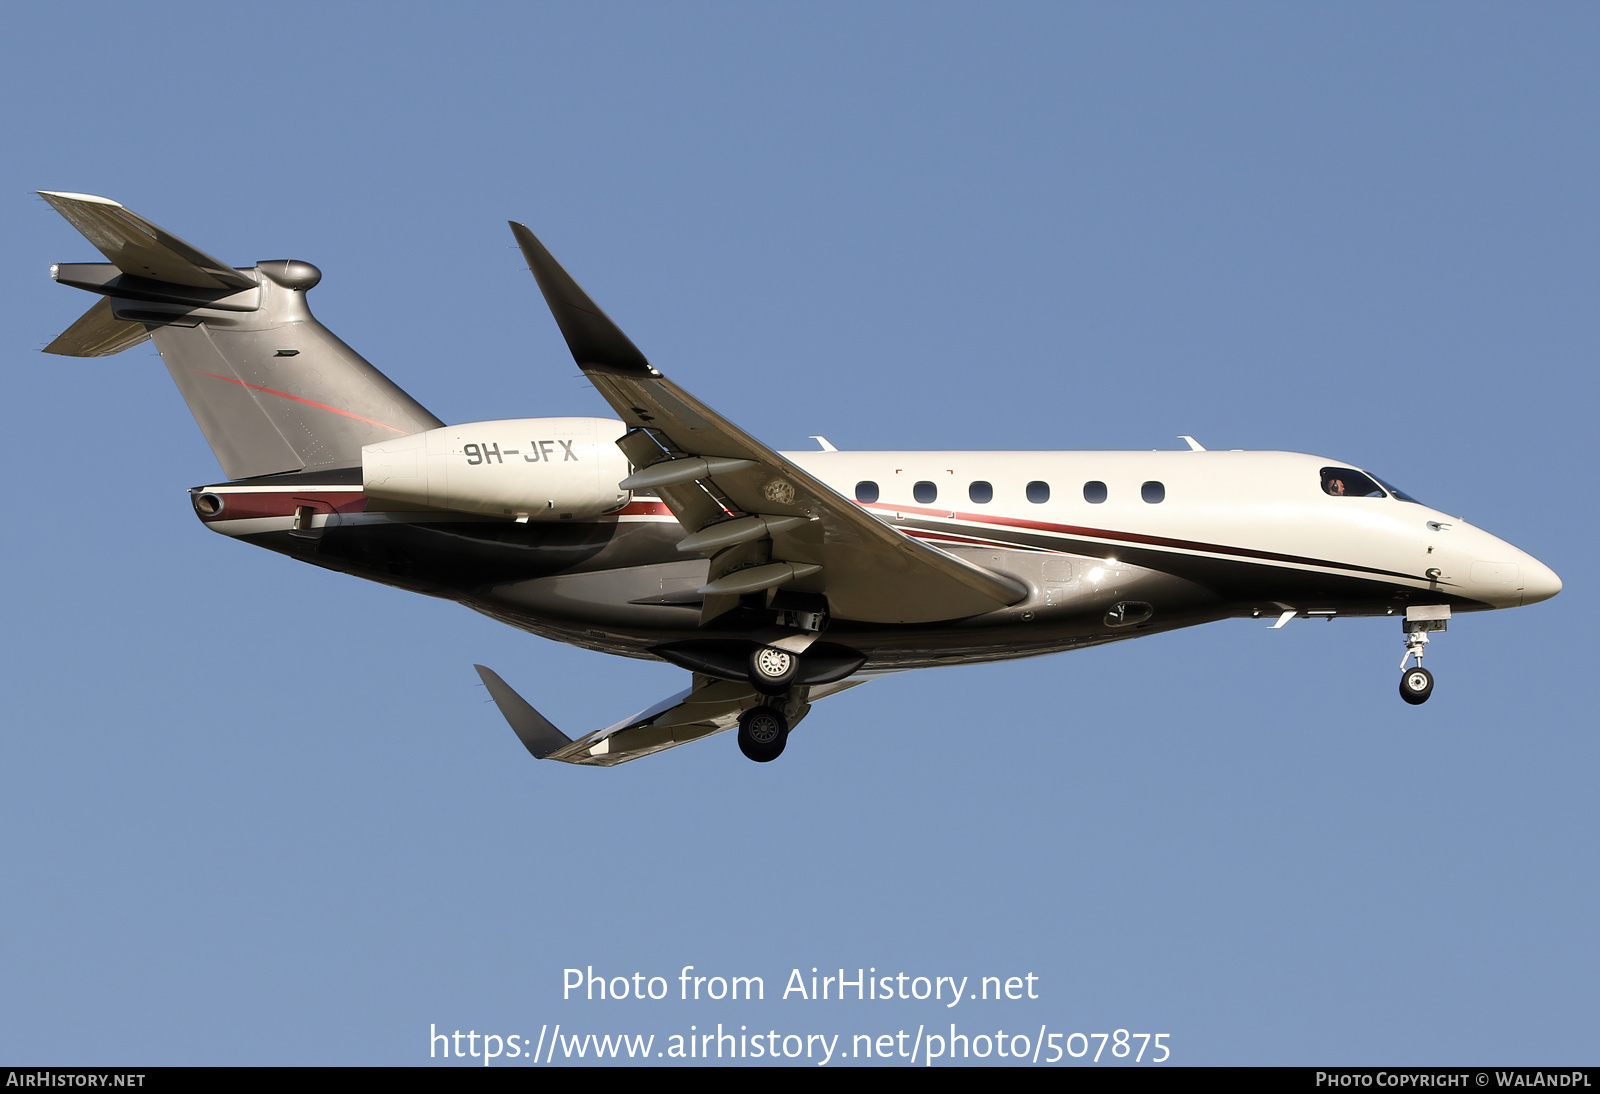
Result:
{"points": [[1416, 685]]}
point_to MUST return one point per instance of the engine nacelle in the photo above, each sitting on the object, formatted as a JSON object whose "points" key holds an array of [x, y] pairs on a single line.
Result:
{"points": [[525, 468]]}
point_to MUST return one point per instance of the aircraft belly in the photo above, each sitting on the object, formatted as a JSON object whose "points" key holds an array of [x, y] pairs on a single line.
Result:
{"points": [[620, 586], [1248, 582], [646, 601], [1072, 602], [457, 558]]}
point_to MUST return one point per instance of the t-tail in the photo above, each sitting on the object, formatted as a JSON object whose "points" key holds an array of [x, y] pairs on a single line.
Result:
{"points": [[272, 389]]}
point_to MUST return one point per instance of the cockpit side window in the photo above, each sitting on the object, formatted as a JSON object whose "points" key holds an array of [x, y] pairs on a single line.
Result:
{"points": [[1347, 482]]}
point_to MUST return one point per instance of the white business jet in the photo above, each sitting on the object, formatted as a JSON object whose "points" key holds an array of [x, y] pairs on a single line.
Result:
{"points": [[775, 578]]}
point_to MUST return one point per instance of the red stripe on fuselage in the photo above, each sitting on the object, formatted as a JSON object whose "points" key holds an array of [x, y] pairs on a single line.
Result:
{"points": [[643, 509], [1126, 537], [247, 504], [298, 399]]}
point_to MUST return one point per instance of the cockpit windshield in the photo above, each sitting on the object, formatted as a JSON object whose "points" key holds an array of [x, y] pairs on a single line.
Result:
{"points": [[1396, 493], [1347, 482]]}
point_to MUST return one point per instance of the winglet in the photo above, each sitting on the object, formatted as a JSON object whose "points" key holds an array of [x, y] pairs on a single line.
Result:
{"points": [[595, 341], [533, 729]]}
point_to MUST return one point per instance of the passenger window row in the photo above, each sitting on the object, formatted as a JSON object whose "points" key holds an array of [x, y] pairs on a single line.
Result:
{"points": [[982, 493]]}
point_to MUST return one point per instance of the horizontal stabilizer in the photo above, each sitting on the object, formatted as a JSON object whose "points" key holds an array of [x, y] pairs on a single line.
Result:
{"points": [[533, 729], [135, 246], [98, 333]]}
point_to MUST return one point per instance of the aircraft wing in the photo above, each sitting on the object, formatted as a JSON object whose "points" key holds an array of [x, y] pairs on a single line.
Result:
{"points": [[708, 706], [766, 523]]}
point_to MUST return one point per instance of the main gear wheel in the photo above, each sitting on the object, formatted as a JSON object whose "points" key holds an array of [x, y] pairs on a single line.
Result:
{"points": [[763, 731]]}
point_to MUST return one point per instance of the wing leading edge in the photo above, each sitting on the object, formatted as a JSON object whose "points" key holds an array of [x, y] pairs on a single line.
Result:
{"points": [[785, 528]]}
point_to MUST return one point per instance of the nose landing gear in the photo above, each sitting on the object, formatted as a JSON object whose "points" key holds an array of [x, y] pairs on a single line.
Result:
{"points": [[1416, 684]]}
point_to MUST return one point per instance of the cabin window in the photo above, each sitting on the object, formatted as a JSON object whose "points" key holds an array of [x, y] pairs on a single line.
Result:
{"points": [[1347, 482], [925, 491], [1038, 492], [867, 492], [1153, 492], [1094, 492], [981, 492]]}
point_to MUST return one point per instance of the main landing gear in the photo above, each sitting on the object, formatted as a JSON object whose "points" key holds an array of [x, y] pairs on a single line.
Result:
{"points": [[776, 672], [763, 731], [772, 670], [764, 728], [1416, 683]]}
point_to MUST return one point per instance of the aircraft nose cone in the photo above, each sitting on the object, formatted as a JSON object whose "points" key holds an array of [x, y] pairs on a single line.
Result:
{"points": [[1539, 582]]}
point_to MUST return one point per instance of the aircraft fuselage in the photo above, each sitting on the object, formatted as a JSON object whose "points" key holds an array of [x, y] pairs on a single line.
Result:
{"points": [[1110, 545]]}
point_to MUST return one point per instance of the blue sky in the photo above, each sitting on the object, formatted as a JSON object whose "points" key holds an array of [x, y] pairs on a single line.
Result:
{"points": [[259, 813]]}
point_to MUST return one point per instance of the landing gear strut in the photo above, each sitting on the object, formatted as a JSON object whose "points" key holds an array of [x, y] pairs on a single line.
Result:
{"points": [[1416, 684], [763, 731]]}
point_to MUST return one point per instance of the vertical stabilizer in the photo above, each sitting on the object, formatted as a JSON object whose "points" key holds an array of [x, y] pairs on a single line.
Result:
{"points": [[272, 389]]}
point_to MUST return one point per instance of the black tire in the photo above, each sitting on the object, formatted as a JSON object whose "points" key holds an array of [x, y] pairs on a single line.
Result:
{"points": [[772, 670], [763, 731], [1416, 685]]}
